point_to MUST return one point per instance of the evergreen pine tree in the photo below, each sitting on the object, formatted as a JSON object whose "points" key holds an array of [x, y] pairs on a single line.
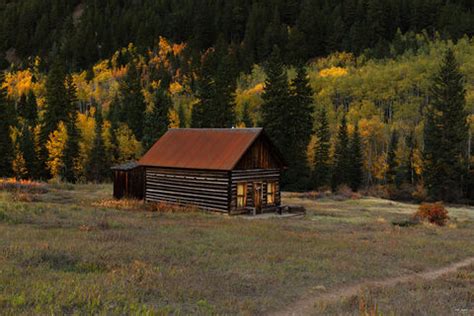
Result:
{"points": [[133, 102], [27, 148], [342, 163], [446, 133], [322, 164], [28, 108], [56, 110], [71, 149], [246, 119], [6, 146], [392, 164], [356, 160], [113, 116], [181, 116], [157, 121], [275, 97], [98, 166], [298, 131]]}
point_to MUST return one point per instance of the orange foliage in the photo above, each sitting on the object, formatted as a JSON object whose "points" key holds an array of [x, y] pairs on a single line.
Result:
{"points": [[435, 213]]}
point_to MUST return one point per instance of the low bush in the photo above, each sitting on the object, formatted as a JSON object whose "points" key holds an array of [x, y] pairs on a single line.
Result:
{"points": [[13, 185], [435, 213]]}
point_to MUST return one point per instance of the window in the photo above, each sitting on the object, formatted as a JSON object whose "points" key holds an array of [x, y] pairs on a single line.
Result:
{"points": [[271, 188], [241, 195]]}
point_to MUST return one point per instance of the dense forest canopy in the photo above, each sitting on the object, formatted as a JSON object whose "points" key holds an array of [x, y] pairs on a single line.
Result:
{"points": [[349, 89], [85, 31]]}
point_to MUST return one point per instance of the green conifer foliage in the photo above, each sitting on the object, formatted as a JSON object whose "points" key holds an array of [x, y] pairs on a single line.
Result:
{"points": [[71, 149], [56, 110], [246, 119], [133, 103], [342, 157], [157, 121], [276, 98], [298, 131], [322, 163], [6, 146], [98, 165], [446, 133]]}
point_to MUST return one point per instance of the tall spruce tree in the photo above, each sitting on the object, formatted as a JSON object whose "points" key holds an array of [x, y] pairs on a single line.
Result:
{"points": [[246, 119], [133, 102], [56, 110], [216, 86], [298, 131], [28, 108], [446, 133], [322, 163], [71, 149], [342, 157], [157, 121], [356, 161], [6, 146], [114, 118], [392, 164], [276, 97], [98, 166], [27, 148]]}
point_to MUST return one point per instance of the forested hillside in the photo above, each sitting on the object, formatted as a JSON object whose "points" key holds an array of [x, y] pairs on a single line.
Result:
{"points": [[349, 90], [85, 31]]}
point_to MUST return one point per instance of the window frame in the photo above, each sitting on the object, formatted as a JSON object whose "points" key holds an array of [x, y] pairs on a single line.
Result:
{"points": [[244, 196], [272, 193]]}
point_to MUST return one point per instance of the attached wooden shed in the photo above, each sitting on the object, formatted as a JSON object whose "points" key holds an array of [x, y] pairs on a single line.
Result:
{"points": [[226, 170], [128, 181]]}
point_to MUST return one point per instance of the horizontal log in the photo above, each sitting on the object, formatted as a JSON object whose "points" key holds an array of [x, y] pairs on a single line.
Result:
{"points": [[181, 194], [186, 178], [184, 201], [185, 186], [189, 182]]}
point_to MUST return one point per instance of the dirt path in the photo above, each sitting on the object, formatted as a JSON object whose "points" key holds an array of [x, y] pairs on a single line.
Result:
{"points": [[305, 306]]}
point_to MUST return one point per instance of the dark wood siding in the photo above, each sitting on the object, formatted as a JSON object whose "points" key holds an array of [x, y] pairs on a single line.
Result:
{"points": [[129, 183], [250, 177], [259, 156], [204, 189]]}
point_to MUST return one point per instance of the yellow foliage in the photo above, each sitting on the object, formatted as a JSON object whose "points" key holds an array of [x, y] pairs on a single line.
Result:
{"points": [[129, 147], [18, 83], [173, 119], [257, 89], [175, 87], [55, 147], [333, 72], [86, 126]]}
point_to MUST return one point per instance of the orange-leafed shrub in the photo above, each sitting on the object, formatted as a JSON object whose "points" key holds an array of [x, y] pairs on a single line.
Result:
{"points": [[435, 213]]}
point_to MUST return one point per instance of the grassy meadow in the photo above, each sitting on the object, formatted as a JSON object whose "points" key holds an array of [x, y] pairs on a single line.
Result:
{"points": [[71, 249]]}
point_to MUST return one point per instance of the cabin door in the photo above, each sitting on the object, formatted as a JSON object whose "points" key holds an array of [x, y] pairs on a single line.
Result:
{"points": [[257, 196]]}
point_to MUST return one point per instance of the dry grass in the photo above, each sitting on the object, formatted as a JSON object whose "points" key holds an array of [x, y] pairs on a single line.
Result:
{"points": [[452, 294], [76, 251]]}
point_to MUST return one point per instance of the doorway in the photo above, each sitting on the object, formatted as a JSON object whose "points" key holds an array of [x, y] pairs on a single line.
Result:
{"points": [[257, 196]]}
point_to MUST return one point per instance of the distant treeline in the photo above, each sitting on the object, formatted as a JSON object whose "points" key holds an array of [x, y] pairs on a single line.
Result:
{"points": [[85, 31]]}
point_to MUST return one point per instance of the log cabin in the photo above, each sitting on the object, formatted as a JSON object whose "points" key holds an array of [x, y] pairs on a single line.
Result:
{"points": [[234, 171]]}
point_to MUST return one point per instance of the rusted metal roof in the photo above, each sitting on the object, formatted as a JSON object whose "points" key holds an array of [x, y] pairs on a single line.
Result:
{"points": [[212, 149]]}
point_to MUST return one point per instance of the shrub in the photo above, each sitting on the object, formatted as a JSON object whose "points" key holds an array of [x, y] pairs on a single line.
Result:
{"points": [[13, 185], [435, 213]]}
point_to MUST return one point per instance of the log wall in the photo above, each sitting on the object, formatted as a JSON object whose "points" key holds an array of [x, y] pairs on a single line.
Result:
{"points": [[204, 189], [250, 177]]}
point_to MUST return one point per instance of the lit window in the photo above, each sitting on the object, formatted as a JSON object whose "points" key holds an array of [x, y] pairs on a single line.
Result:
{"points": [[271, 188], [241, 195]]}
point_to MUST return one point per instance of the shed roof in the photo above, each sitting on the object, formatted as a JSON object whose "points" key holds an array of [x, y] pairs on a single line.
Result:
{"points": [[211, 149], [126, 166]]}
